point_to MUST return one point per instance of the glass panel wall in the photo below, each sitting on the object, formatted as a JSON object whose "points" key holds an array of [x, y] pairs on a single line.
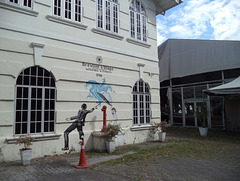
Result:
{"points": [[177, 107]]}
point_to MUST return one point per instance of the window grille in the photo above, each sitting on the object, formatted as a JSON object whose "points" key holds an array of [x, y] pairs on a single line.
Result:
{"points": [[138, 21], [68, 9], [23, 3], [141, 103], [108, 15], [35, 101]]}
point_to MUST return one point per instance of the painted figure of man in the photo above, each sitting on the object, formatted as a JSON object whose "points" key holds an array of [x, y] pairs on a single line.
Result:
{"points": [[78, 123]]}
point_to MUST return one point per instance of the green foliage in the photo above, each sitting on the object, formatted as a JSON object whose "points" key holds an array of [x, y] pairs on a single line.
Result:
{"points": [[202, 114], [26, 140], [111, 130], [162, 126]]}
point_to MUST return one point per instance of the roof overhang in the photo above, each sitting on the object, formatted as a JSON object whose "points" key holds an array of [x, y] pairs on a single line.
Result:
{"points": [[164, 5], [229, 89]]}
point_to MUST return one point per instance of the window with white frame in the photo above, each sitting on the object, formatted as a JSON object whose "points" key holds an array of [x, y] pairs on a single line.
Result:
{"points": [[108, 15], [35, 101], [23, 3], [141, 103], [68, 9], [138, 21]]}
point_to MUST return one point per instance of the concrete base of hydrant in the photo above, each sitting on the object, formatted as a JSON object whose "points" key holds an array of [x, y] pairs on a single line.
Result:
{"points": [[99, 141]]}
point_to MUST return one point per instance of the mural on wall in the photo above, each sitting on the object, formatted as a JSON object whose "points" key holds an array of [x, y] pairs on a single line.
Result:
{"points": [[100, 91], [78, 123]]}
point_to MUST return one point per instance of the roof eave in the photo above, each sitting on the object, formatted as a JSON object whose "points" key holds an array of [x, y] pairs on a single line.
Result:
{"points": [[164, 5]]}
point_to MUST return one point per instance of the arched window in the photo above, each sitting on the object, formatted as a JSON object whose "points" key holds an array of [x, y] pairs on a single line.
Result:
{"points": [[138, 21], [108, 15], [35, 101], [141, 103]]}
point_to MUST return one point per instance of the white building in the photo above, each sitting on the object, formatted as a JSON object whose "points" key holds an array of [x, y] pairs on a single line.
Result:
{"points": [[57, 54]]}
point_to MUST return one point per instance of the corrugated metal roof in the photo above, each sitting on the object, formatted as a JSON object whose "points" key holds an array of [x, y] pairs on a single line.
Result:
{"points": [[183, 57]]}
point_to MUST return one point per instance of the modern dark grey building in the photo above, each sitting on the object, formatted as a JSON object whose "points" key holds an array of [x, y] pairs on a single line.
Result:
{"points": [[187, 67]]}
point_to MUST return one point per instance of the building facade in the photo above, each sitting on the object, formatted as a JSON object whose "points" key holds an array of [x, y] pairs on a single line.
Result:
{"points": [[187, 68], [57, 54]]}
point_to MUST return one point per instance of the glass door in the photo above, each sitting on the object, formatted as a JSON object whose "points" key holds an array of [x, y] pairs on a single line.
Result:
{"points": [[189, 114]]}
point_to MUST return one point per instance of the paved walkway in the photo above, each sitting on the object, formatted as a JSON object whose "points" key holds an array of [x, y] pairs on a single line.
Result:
{"points": [[56, 168], [61, 168]]}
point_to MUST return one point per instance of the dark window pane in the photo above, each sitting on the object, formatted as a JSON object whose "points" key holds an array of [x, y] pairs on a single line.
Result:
{"points": [[39, 93], [18, 116], [34, 92], [52, 103], [24, 128], [51, 126], [40, 81], [38, 128], [148, 119], [25, 104], [46, 104], [146, 88], [26, 80], [33, 105], [52, 96], [46, 82], [29, 3], [46, 115], [33, 71], [33, 80], [52, 83], [39, 104], [24, 116], [19, 104], [19, 80], [46, 126], [135, 120], [17, 128], [33, 128], [134, 97], [25, 92], [39, 115], [40, 71], [26, 71], [51, 115], [46, 74], [47, 93], [33, 116]]}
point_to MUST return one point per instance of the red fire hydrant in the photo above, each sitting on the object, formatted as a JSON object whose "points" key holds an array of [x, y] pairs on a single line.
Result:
{"points": [[104, 108]]}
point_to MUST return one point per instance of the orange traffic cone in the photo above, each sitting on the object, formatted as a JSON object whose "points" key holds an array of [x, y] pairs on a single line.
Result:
{"points": [[82, 159]]}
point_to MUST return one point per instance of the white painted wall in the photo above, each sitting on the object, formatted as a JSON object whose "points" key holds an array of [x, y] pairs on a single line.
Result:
{"points": [[65, 49]]}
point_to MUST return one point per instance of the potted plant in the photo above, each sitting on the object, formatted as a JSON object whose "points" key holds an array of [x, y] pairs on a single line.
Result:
{"points": [[26, 152], [202, 115], [161, 128], [111, 131]]}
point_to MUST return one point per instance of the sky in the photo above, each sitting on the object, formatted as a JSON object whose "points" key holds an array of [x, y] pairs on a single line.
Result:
{"points": [[201, 19]]}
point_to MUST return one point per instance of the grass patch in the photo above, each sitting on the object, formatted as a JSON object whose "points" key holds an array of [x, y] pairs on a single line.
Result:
{"points": [[221, 146]]}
